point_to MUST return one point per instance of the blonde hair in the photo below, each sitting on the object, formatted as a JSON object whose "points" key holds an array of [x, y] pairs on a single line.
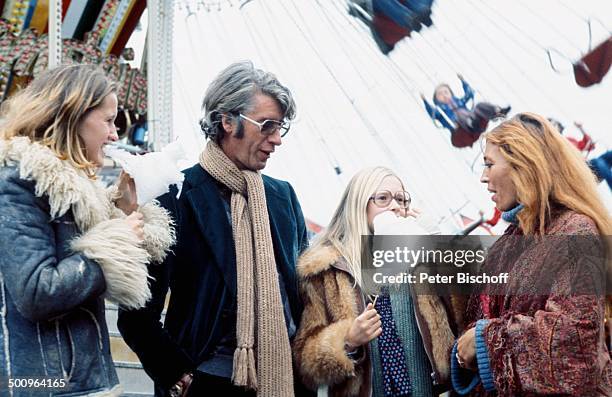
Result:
{"points": [[50, 109], [546, 170], [349, 222]]}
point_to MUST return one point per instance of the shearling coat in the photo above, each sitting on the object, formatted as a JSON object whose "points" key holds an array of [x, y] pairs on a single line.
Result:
{"points": [[65, 247], [331, 304]]}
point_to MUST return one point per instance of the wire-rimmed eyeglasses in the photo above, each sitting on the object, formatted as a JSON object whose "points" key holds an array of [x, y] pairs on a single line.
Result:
{"points": [[269, 127], [383, 198]]}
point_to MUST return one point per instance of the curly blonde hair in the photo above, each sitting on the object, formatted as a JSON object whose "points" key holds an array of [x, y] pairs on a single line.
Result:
{"points": [[546, 170]]}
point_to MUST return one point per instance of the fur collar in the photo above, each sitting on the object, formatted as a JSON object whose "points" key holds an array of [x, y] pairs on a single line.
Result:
{"points": [[64, 185], [313, 262]]}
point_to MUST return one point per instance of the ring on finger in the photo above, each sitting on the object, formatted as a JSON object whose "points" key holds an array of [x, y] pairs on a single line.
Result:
{"points": [[459, 360]]}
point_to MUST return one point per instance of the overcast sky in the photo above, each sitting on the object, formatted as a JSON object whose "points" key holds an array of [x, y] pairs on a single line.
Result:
{"points": [[357, 107]]}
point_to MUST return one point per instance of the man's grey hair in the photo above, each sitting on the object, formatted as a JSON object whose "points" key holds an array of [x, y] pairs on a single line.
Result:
{"points": [[232, 92]]}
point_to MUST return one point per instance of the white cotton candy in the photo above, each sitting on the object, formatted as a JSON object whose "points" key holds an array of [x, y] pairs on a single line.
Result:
{"points": [[428, 223], [388, 224], [154, 172]]}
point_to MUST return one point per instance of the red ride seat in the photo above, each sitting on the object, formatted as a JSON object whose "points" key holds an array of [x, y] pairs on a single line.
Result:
{"points": [[594, 65], [464, 138], [389, 31]]}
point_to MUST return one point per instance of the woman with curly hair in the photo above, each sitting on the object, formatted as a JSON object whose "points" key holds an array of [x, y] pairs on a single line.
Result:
{"points": [[545, 334]]}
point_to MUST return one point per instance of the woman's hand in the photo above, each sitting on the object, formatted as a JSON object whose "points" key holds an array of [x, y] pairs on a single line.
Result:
{"points": [[128, 202], [366, 327], [136, 222], [413, 212], [466, 349]]}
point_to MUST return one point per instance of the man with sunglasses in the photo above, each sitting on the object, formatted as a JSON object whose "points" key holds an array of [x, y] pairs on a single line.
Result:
{"points": [[234, 304]]}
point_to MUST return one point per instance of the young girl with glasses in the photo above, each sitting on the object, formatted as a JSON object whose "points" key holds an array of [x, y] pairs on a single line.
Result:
{"points": [[348, 347]]}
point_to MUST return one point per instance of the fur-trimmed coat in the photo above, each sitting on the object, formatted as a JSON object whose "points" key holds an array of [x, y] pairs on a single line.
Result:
{"points": [[331, 304], [65, 247]]}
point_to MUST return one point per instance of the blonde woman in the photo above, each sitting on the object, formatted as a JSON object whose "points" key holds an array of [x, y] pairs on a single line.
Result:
{"points": [[539, 341], [341, 340], [66, 242]]}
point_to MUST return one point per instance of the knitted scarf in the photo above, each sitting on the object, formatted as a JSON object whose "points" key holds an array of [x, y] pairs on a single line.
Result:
{"points": [[510, 216], [260, 308]]}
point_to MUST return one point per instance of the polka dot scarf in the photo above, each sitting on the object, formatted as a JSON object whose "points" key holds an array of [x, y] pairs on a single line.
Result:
{"points": [[396, 382]]}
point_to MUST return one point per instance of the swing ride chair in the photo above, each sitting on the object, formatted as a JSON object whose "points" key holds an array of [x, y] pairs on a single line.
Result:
{"points": [[385, 28], [593, 66], [460, 138]]}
